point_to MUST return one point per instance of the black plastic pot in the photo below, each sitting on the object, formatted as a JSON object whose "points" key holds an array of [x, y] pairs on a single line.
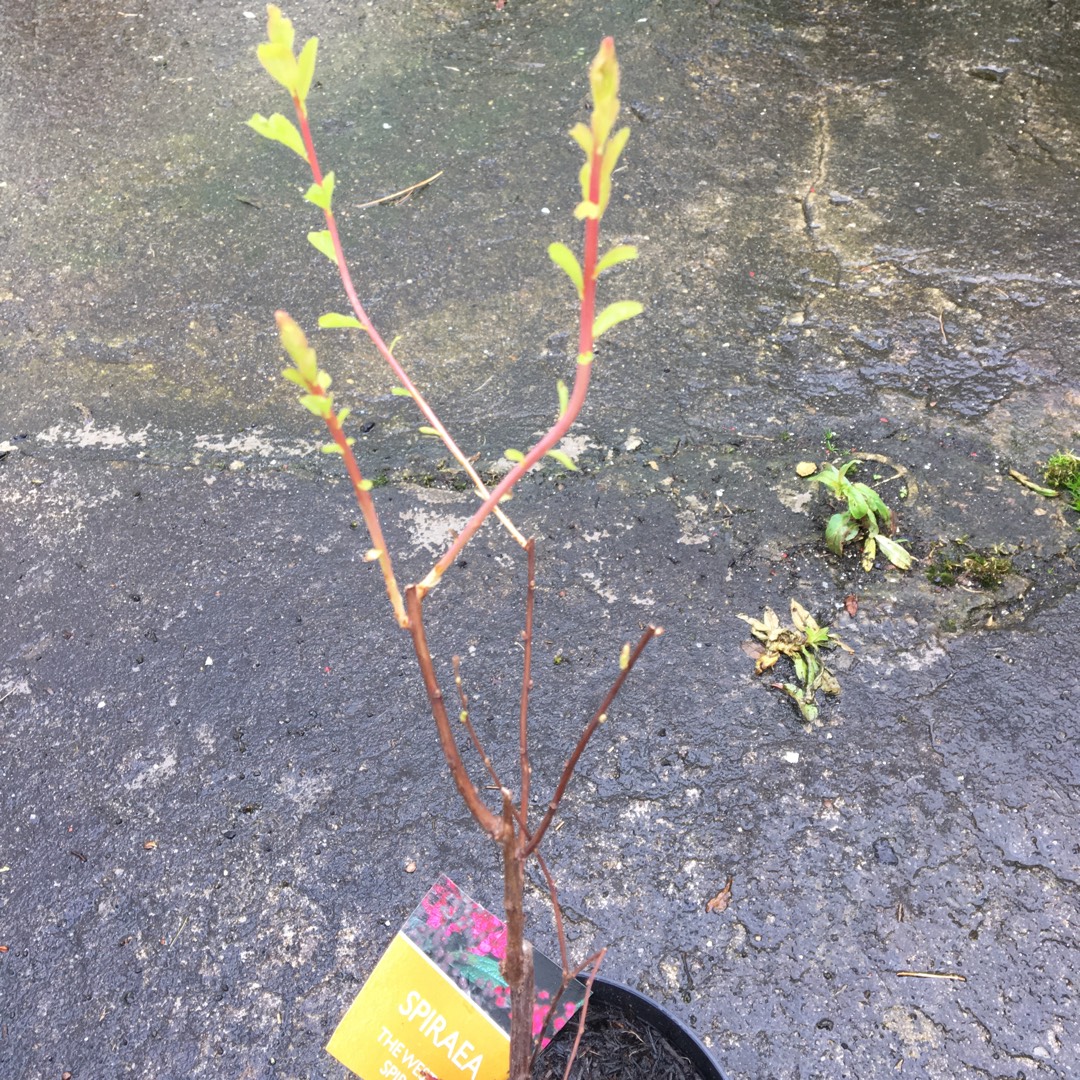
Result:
{"points": [[617, 1007]]}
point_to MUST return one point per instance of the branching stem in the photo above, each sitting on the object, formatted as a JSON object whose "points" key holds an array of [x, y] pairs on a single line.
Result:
{"points": [[491, 823], [377, 340], [597, 719]]}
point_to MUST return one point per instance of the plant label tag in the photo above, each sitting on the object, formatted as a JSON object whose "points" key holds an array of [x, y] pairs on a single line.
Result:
{"points": [[436, 1004]]}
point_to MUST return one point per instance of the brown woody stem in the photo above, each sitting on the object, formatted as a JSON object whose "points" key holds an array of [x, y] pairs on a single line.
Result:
{"points": [[517, 965], [598, 718], [489, 822], [526, 684]]}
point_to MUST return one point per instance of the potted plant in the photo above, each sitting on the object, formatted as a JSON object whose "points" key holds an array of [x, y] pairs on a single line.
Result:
{"points": [[517, 823]]}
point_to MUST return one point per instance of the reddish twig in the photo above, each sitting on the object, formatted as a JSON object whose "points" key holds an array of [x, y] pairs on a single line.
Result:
{"points": [[526, 683], [599, 959], [376, 338], [489, 822], [466, 719], [597, 719]]}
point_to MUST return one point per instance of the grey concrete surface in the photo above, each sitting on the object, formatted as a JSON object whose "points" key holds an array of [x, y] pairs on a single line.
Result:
{"points": [[215, 759]]}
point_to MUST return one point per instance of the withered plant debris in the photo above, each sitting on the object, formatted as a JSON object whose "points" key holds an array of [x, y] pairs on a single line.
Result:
{"points": [[801, 644], [719, 903]]}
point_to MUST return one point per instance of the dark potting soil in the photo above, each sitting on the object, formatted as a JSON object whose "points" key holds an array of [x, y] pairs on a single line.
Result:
{"points": [[615, 1045]]}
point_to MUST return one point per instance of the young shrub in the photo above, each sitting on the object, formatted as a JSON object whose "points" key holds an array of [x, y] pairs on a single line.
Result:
{"points": [[510, 823]]}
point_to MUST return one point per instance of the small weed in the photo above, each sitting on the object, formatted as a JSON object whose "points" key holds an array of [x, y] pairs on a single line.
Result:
{"points": [[866, 516], [1063, 474], [828, 440], [961, 564], [801, 643]]}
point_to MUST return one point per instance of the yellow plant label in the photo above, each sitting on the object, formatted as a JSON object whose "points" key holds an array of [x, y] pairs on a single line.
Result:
{"points": [[436, 1004]]}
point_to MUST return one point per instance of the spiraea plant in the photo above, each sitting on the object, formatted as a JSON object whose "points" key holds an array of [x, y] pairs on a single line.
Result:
{"points": [[512, 823]]}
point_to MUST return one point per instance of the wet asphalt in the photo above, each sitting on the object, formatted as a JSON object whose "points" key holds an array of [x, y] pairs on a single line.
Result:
{"points": [[220, 791]]}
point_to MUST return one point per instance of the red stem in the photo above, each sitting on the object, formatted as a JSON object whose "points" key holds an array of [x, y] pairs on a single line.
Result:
{"points": [[381, 347], [591, 253]]}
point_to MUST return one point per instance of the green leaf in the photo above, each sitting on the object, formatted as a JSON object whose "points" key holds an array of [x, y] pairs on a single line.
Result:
{"points": [[400, 391], [583, 136], [279, 129], [614, 314], [317, 404], [333, 321], [323, 380], [425, 430], [563, 459], [873, 500], [619, 254], [295, 344], [899, 556], [828, 477], [566, 261], [516, 456], [277, 57], [564, 396], [856, 502], [294, 376], [321, 194], [321, 241], [612, 149], [305, 68], [331, 448], [280, 29], [799, 660], [586, 209], [804, 701], [343, 415], [839, 530]]}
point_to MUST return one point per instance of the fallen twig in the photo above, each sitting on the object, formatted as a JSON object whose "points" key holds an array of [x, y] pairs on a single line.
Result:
{"points": [[932, 975], [1020, 478], [402, 193]]}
